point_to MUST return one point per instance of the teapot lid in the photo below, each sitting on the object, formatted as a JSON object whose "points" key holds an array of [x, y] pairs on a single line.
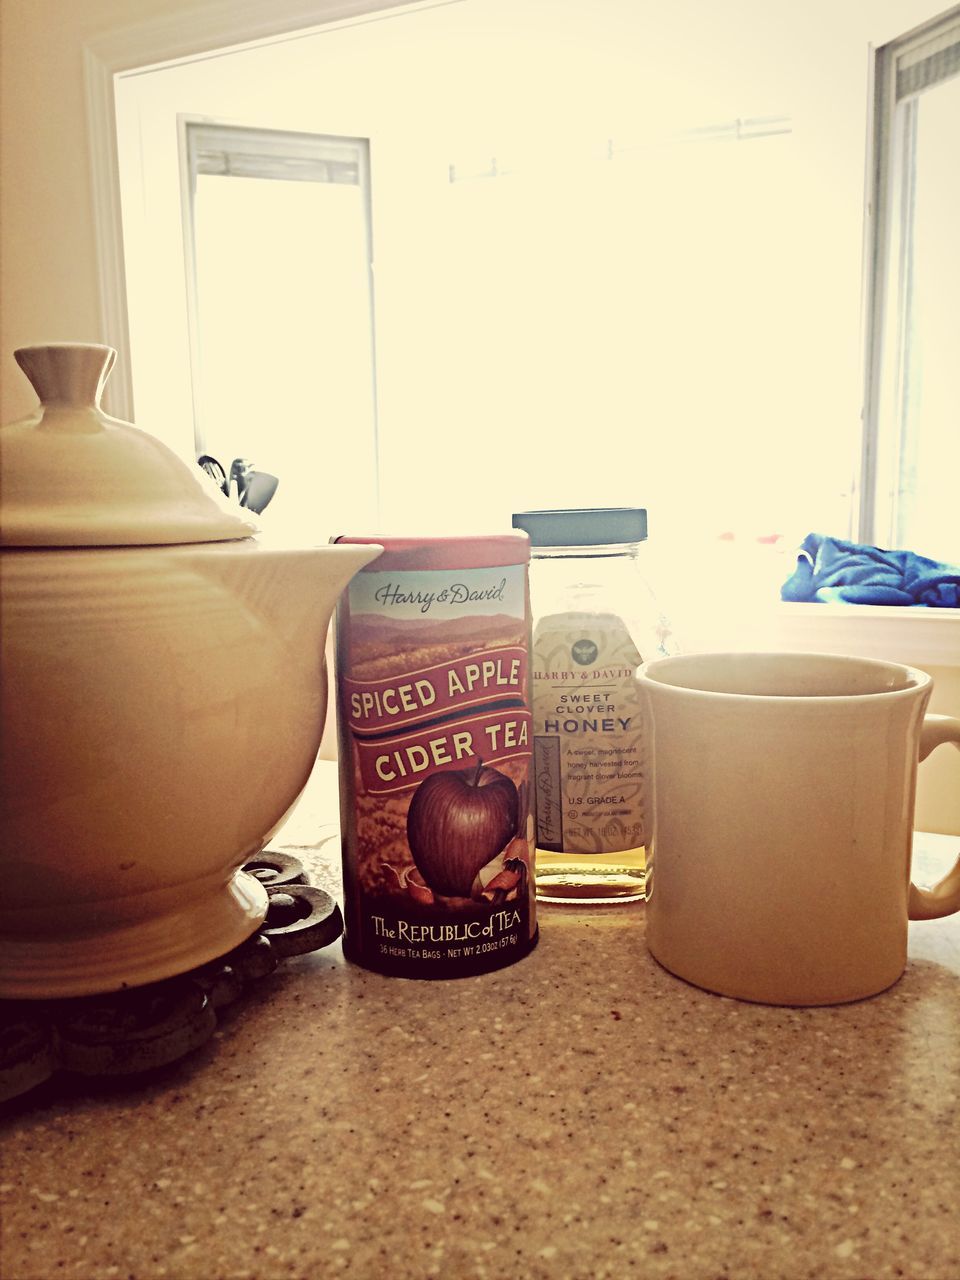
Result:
{"points": [[72, 476]]}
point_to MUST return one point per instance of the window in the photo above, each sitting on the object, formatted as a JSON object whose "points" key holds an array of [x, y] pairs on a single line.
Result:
{"points": [[911, 479], [629, 321], [278, 244], [652, 296]]}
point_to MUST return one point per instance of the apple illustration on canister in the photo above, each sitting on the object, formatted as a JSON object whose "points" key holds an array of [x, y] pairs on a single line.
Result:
{"points": [[457, 821]]}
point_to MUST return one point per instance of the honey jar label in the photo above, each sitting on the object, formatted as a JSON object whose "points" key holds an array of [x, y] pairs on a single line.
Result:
{"points": [[588, 735], [436, 748]]}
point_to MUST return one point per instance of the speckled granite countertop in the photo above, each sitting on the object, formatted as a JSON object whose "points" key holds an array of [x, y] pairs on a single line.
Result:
{"points": [[579, 1114]]}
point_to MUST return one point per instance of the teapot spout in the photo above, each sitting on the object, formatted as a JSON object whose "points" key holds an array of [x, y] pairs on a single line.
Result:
{"points": [[294, 592]]}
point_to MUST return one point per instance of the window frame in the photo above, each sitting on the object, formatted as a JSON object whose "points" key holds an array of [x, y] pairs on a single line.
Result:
{"points": [[214, 147], [888, 215]]}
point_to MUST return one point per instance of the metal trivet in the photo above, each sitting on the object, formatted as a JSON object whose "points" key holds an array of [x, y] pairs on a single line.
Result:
{"points": [[145, 1027]]}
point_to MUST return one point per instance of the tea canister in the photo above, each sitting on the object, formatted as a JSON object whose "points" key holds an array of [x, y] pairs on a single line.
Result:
{"points": [[435, 757]]}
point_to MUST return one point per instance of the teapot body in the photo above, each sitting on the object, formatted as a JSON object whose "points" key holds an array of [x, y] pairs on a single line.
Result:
{"points": [[162, 711]]}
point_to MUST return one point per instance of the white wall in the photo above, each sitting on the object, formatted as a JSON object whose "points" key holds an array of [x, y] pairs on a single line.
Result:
{"points": [[48, 272], [684, 300], [48, 245]]}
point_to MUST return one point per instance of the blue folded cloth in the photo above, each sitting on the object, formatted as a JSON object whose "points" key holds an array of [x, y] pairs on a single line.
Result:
{"points": [[830, 570]]}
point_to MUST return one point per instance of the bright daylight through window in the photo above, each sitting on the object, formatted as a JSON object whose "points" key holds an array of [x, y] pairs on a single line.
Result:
{"points": [[639, 285], [277, 227]]}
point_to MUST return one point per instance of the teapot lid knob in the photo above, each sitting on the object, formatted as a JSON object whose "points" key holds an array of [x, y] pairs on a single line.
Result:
{"points": [[67, 373]]}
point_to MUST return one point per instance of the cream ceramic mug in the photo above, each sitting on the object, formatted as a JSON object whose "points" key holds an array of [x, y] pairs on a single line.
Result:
{"points": [[782, 821]]}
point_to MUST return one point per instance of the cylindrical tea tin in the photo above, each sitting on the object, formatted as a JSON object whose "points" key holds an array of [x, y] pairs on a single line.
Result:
{"points": [[435, 756]]}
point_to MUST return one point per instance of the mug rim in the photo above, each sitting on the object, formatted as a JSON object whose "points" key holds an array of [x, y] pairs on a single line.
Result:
{"points": [[914, 680]]}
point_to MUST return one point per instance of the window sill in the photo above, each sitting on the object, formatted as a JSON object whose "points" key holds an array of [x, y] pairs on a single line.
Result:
{"points": [[920, 637], [727, 596]]}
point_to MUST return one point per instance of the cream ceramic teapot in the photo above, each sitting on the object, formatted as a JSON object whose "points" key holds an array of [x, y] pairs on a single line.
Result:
{"points": [[163, 695]]}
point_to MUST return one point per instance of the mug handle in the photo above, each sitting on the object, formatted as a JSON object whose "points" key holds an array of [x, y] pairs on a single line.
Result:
{"points": [[944, 898]]}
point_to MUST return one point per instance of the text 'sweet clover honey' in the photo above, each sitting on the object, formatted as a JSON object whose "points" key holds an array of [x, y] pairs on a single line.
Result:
{"points": [[595, 620], [435, 756]]}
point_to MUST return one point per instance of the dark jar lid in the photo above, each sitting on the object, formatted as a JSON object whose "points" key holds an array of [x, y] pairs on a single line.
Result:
{"points": [[589, 527]]}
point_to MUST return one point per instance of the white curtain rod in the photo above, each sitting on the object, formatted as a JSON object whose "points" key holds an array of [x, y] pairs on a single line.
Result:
{"points": [[743, 129]]}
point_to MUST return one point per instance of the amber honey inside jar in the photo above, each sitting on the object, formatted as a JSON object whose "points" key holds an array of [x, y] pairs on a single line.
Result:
{"points": [[595, 620]]}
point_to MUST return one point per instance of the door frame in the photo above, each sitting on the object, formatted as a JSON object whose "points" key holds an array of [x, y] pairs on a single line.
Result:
{"points": [[167, 39]]}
